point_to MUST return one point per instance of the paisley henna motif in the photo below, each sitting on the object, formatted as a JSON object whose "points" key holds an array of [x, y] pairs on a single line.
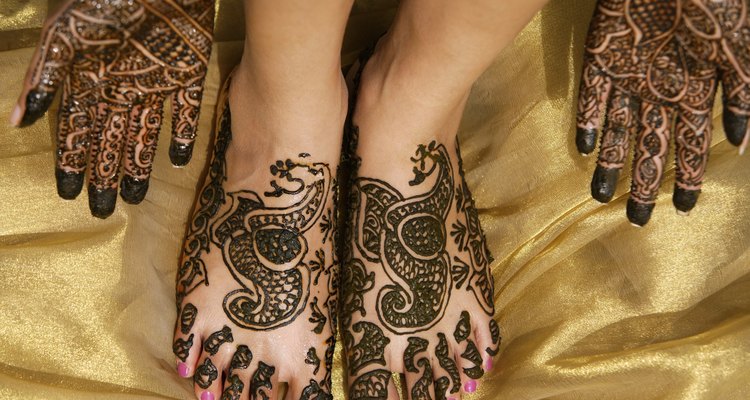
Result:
{"points": [[117, 61]]}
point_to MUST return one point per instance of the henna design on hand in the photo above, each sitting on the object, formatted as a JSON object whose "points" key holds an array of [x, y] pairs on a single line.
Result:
{"points": [[216, 339], [181, 347], [187, 318], [233, 391], [205, 374], [117, 61], [652, 60]]}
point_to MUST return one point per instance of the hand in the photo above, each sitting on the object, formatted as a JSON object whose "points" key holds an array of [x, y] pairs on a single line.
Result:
{"points": [[652, 62], [117, 62]]}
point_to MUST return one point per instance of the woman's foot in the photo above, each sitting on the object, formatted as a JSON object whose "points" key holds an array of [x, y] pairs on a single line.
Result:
{"points": [[256, 287], [417, 290]]}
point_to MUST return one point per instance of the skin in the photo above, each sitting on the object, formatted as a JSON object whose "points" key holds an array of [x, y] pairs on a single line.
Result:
{"points": [[680, 52], [402, 152], [117, 64]]}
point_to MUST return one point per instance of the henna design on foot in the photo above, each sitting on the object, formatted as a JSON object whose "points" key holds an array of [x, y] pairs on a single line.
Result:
{"points": [[262, 379], [371, 386], [312, 359], [446, 362], [495, 334], [463, 328], [233, 391], [241, 358], [205, 374], [215, 340], [472, 354], [187, 318], [181, 347]]}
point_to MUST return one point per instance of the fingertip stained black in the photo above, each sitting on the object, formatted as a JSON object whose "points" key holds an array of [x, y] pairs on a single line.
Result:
{"points": [[684, 200], [585, 140], [133, 190], [37, 103], [69, 184], [639, 213], [102, 201], [180, 153], [604, 183], [735, 127]]}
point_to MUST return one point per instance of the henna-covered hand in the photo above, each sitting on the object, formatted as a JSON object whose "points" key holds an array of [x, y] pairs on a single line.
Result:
{"points": [[117, 62], [655, 66]]}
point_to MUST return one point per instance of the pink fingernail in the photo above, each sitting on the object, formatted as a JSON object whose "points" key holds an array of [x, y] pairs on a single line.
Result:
{"points": [[183, 370], [488, 365], [207, 396], [16, 115], [471, 386]]}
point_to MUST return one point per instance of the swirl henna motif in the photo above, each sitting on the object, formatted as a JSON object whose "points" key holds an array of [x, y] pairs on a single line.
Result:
{"points": [[265, 248], [656, 65], [407, 236], [117, 61]]}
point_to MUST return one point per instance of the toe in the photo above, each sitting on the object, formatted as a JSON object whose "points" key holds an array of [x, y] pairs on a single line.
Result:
{"points": [[418, 370], [468, 357], [487, 333], [375, 384], [264, 382], [314, 380], [215, 361], [187, 343], [446, 373]]}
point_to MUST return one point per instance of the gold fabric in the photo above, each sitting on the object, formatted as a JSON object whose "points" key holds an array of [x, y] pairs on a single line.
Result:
{"points": [[589, 306]]}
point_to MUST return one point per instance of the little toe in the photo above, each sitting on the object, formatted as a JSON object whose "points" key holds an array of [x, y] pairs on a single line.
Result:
{"points": [[487, 333]]}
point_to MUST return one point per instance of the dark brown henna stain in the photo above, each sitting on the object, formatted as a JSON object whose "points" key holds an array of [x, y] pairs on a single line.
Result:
{"points": [[205, 374], [216, 339], [187, 318], [241, 358], [495, 335], [181, 347], [463, 328], [233, 391], [472, 355]]}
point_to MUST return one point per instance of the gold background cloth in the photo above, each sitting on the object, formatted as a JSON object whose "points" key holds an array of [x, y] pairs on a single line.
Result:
{"points": [[589, 307]]}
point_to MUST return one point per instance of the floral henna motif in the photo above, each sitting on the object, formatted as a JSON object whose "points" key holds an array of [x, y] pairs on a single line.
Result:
{"points": [[662, 58], [117, 61]]}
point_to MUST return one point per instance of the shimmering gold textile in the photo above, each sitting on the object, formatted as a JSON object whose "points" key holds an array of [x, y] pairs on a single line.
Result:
{"points": [[589, 307]]}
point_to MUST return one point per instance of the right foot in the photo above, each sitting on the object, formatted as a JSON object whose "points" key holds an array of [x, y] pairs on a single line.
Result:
{"points": [[417, 290], [256, 287]]}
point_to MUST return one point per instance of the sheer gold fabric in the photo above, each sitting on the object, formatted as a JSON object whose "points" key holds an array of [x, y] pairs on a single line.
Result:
{"points": [[590, 307]]}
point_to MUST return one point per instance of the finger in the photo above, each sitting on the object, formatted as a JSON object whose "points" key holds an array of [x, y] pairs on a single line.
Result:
{"points": [[186, 104], [621, 118], [110, 132], [77, 112], [143, 132], [736, 99], [49, 65], [692, 140], [651, 149], [592, 95]]}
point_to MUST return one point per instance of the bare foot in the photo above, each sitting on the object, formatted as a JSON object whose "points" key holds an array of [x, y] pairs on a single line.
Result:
{"points": [[417, 290], [256, 288]]}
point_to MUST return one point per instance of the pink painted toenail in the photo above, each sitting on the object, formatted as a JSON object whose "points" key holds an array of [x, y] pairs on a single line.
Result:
{"points": [[488, 365], [451, 398], [207, 396], [183, 370], [470, 386]]}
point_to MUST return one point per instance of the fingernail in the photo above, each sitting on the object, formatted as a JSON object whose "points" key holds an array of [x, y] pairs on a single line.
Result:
{"points": [[16, 115], [684, 200], [133, 190], [180, 153], [639, 213], [603, 183], [207, 396], [183, 370], [37, 103], [488, 365], [471, 386], [69, 184], [585, 140], [102, 202]]}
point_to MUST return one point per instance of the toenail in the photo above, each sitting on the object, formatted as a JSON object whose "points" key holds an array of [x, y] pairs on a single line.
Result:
{"points": [[488, 365], [470, 386], [207, 396], [183, 370], [451, 398]]}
